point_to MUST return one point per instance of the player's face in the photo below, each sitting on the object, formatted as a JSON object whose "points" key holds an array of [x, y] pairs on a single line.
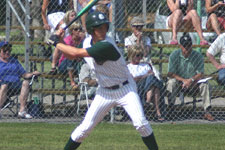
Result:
{"points": [[100, 32]]}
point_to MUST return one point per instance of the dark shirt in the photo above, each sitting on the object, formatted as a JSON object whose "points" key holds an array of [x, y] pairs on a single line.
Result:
{"points": [[54, 6], [220, 11]]}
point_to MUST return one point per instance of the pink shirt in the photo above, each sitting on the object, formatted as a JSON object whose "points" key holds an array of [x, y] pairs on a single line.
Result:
{"points": [[68, 41]]}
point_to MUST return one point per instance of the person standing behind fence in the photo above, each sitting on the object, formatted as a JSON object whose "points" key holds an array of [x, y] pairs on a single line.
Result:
{"points": [[115, 84], [218, 47], [149, 87], [10, 73], [216, 15], [183, 15], [185, 69], [52, 13], [137, 37]]}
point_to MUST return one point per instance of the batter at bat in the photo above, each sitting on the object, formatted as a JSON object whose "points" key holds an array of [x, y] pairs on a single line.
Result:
{"points": [[116, 85]]}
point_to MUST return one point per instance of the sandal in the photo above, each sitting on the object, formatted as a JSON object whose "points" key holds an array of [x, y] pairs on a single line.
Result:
{"points": [[160, 118], [75, 87], [174, 42], [204, 43], [53, 71]]}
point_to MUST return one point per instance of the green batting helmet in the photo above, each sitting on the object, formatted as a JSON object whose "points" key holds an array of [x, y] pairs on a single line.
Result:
{"points": [[95, 19]]}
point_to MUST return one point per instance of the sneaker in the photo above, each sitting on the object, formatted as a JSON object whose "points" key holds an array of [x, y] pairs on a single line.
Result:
{"points": [[24, 115], [208, 117], [204, 43], [174, 42], [53, 71]]}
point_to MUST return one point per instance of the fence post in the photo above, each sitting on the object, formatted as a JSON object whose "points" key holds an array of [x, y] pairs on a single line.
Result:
{"points": [[199, 8]]}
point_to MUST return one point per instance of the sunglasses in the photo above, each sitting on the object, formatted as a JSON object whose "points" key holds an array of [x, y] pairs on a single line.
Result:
{"points": [[6, 50], [138, 26], [78, 29], [139, 55]]}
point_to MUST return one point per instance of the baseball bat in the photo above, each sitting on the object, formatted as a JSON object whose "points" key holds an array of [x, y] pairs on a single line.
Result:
{"points": [[84, 10]]}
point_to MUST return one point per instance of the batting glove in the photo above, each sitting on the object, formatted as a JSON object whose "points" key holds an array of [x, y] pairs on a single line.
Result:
{"points": [[54, 40]]}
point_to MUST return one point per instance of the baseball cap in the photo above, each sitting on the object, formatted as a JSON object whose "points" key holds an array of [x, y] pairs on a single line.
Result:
{"points": [[186, 41], [137, 21], [4, 43]]}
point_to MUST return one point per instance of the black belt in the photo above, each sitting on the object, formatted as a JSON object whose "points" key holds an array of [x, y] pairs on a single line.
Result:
{"points": [[114, 87]]}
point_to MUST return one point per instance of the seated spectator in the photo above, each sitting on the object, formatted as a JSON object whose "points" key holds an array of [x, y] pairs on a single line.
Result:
{"points": [[183, 15], [216, 15], [72, 66], [186, 68], [138, 37], [10, 73], [218, 47], [88, 75], [56, 54], [149, 87]]}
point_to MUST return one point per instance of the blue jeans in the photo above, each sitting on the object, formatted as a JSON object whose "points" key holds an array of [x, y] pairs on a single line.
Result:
{"points": [[221, 76]]}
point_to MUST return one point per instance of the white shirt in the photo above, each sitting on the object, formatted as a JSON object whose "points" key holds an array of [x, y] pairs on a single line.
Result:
{"points": [[132, 40], [218, 46], [139, 70]]}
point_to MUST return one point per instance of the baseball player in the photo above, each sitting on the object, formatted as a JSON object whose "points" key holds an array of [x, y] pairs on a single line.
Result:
{"points": [[116, 85]]}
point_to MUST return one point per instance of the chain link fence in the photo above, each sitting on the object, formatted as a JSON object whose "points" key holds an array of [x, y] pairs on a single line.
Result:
{"points": [[54, 96]]}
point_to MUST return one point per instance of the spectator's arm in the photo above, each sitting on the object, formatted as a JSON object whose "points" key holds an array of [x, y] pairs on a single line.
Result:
{"points": [[43, 14], [173, 5], [214, 62], [209, 8]]}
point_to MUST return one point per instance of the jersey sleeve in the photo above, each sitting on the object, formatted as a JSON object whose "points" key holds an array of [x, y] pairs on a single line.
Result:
{"points": [[103, 51]]}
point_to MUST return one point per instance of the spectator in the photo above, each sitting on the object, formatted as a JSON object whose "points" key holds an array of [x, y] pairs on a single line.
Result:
{"points": [[137, 37], [53, 12], [183, 14], [88, 75], [66, 65], [56, 54], [83, 3], [10, 73], [216, 15], [149, 87], [186, 68], [218, 47]]}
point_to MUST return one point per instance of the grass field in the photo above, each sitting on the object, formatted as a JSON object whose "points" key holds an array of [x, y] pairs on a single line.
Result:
{"points": [[106, 136]]}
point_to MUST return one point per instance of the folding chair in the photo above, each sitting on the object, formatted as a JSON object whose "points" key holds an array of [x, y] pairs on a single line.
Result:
{"points": [[83, 93], [11, 102]]}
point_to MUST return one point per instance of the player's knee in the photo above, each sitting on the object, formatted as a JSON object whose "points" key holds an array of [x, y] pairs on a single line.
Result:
{"points": [[144, 129]]}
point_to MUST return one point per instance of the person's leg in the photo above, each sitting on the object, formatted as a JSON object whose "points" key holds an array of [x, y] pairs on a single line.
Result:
{"points": [[98, 109], [157, 97], [132, 105], [3, 94], [55, 58], [213, 23], [221, 76], [24, 95], [173, 87], [196, 22], [205, 93], [149, 95], [174, 22]]}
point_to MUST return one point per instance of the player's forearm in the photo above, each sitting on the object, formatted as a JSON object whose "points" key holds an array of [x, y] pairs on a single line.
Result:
{"points": [[72, 52]]}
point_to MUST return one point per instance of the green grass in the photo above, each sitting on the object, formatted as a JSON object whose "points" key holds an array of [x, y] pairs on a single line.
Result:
{"points": [[106, 136]]}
